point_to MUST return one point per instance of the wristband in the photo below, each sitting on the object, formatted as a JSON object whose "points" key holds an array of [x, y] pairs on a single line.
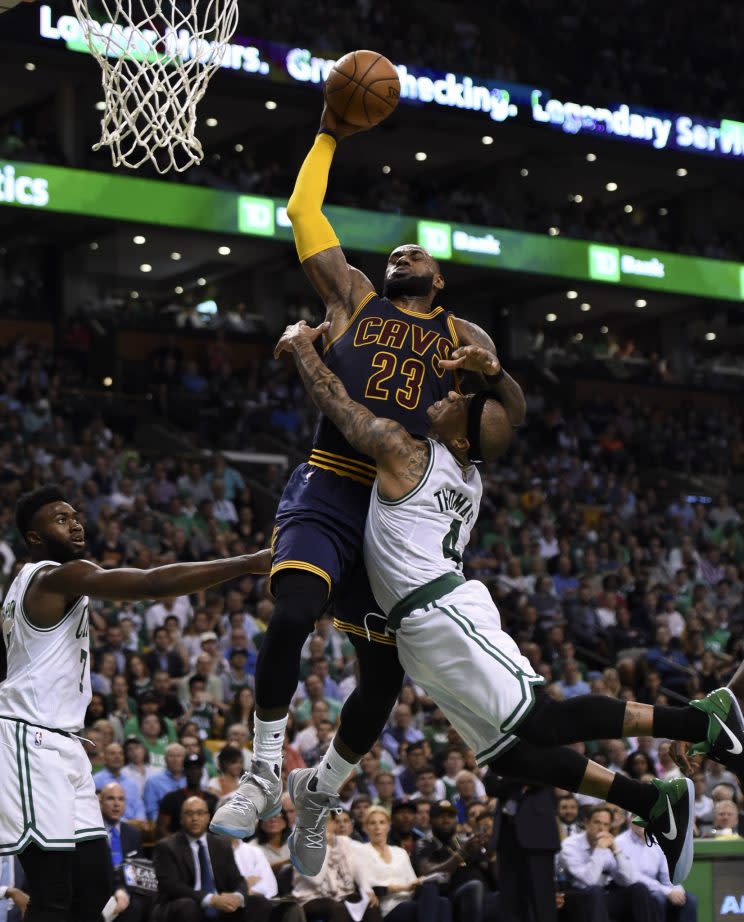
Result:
{"points": [[494, 379], [328, 132]]}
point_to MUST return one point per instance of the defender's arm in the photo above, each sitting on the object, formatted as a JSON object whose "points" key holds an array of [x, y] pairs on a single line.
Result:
{"points": [[401, 459], [340, 285], [81, 577], [495, 378]]}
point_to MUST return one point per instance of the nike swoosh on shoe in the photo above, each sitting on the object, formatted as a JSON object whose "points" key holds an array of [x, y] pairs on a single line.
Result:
{"points": [[672, 834], [737, 747]]}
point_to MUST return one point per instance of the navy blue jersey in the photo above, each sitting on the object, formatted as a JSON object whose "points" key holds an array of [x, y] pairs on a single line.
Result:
{"points": [[388, 359]]}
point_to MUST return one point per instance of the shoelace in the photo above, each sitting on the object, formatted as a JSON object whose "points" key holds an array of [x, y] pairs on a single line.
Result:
{"points": [[315, 836], [243, 804]]}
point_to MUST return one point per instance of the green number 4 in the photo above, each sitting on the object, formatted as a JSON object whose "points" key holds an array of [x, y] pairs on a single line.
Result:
{"points": [[83, 660], [449, 543]]}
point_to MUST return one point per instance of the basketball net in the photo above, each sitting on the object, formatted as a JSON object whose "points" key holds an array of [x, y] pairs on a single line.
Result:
{"points": [[157, 57]]}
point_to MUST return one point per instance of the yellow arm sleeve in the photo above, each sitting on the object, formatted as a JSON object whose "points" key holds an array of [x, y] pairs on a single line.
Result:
{"points": [[312, 230]]}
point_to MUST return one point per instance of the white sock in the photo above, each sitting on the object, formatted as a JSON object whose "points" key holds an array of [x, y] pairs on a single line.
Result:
{"points": [[268, 741], [332, 771]]}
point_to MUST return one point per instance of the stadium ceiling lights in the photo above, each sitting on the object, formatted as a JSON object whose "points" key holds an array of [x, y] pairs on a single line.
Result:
{"points": [[604, 330], [29, 65], [663, 212], [271, 104], [710, 336], [145, 267], [139, 239], [201, 281], [586, 306], [628, 209], [175, 256], [641, 302], [386, 168], [591, 158], [211, 122], [572, 295], [238, 148], [420, 155], [487, 139], [611, 187], [551, 318], [178, 289], [554, 231], [577, 197], [93, 245], [100, 106], [524, 172], [681, 171], [224, 251]]}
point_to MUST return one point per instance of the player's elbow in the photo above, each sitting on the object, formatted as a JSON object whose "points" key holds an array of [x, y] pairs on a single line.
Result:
{"points": [[299, 210]]}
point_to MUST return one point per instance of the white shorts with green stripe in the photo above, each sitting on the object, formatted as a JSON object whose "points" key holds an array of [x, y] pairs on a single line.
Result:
{"points": [[47, 795], [456, 650]]}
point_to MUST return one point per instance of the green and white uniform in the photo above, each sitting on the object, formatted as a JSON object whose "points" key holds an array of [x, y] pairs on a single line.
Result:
{"points": [[47, 795], [448, 631]]}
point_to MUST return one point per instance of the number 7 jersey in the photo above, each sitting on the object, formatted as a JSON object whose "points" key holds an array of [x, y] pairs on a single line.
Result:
{"points": [[388, 359], [420, 537], [48, 680]]}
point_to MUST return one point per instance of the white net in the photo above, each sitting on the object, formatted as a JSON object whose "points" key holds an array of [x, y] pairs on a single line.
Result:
{"points": [[157, 57]]}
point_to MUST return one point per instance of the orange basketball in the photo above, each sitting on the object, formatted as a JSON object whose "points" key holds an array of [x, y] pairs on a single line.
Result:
{"points": [[363, 88]]}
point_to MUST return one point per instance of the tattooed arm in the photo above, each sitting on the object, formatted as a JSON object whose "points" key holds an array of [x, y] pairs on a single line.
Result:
{"points": [[401, 459], [504, 386]]}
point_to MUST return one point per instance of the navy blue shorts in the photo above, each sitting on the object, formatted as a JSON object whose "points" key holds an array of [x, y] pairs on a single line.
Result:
{"points": [[320, 529]]}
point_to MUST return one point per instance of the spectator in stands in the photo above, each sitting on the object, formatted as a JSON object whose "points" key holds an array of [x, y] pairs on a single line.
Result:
{"points": [[315, 694], [385, 787], [402, 821], [113, 772], [307, 740], [650, 865], [415, 760], [389, 868], [137, 675], [272, 837], [725, 820], [162, 657], [400, 729], [169, 810], [568, 816], [593, 860], [703, 806], [125, 843], [13, 898], [162, 783], [197, 874], [230, 764], [322, 897], [572, 685], [137, 767]]}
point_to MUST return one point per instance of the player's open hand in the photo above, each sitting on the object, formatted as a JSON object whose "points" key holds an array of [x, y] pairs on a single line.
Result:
{"points": [[688, 764], [340, 129], [472, 358], [299, 332]]}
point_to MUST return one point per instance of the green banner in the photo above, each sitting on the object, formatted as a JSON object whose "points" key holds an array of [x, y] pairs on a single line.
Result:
{"points": [[146, 201]]}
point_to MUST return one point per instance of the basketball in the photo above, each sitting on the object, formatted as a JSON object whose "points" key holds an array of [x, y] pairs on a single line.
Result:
{"points": [[363, 88]]}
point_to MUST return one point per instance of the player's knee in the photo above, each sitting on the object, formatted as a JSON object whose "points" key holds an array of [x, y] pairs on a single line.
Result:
{"points": [[300, 600]]}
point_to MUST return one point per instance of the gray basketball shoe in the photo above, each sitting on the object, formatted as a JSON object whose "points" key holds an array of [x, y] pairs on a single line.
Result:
{"points": [[258, 798], [307, 844]]}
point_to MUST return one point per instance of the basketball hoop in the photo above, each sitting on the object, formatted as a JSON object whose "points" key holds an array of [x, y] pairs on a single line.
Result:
{"points": [[157, 57]]}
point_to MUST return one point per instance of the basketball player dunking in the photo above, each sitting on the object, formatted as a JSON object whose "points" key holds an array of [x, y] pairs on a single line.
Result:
{"points": [[49, 812], [423, 506], [391, 352]]}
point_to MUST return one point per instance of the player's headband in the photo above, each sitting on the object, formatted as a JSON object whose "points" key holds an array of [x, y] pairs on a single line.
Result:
{"points": [[475, 412]]}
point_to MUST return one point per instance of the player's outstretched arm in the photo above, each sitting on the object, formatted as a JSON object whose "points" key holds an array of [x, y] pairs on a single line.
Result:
{"points": [[401, 459], [495, 377], [81, 577], [340, 285]]}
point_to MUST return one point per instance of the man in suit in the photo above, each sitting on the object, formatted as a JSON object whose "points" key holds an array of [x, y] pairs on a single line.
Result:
{"points": [[198, 879], [525, 836], [125, 841], [160, 655]]}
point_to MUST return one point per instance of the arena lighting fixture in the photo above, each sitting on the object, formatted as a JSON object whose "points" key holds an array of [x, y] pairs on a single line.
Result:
{"points": [[681, 171], [554, 231], [663, 212], [591, 158], [578, 198], [145, 267], [420, 155], [29, 65], [224, 251], [238, 148], [108, 381], [578, 337], [134, 295], [572, 295], [211, 122], [551, 318], [611, 187], [628, 209], [386, 168], [93, 245], [710, 336], [178, 289], [201, 281], [100, 106], [271, 104], [139, 239], [641, 302], [487, 139], [175, 256], [524, 172], [604, 330], [586, 306]]}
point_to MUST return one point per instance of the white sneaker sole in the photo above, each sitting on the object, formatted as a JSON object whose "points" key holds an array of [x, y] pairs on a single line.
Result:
{"points": [[684, 864]]}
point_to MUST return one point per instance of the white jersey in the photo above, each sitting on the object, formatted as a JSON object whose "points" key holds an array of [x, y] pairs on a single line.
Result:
{"points": [[411, 541], [48, 680]]}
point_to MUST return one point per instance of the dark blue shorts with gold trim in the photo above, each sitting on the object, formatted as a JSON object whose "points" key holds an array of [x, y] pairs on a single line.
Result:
{"points": [[320, 529]]}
